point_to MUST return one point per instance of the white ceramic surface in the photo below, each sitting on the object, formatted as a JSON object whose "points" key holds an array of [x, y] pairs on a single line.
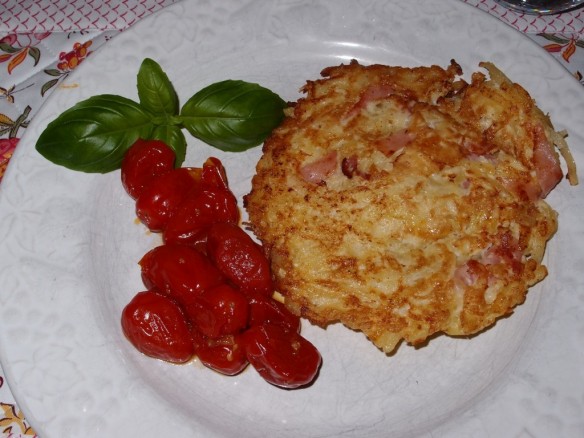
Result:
{"points": [[69, 247]]}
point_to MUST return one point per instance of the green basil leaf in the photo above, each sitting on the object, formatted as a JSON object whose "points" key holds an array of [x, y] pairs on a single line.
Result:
{"points": [[233, 115], [155, 90], [172, 136], [94, 135]]}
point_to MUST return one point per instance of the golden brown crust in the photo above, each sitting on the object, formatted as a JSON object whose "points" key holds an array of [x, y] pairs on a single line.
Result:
{"points": [[405, 202]]}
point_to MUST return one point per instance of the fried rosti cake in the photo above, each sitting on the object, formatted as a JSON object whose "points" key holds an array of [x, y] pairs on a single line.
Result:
{"points": [[404, 202]]}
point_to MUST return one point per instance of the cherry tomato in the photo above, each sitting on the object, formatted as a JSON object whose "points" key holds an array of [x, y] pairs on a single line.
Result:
{"points": [[145, 160], [214, 174], [239, 258], [221, 310], [163, 194], [197, 212], [282, 357], [178, 270], [264, 309], [156, 325], [224, 354]]}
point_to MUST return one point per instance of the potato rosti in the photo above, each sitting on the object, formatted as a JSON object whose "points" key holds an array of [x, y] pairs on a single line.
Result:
{"points": [[404, 202]]}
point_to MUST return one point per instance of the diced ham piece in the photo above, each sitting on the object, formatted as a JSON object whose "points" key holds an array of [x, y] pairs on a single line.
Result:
{"points": [[506, 252], [531, 189], [395, 142], [316, 171], [372, 93], [469, 273], [546, 162], [547, 169], [376, 92], [477, 147], [349, 166]]}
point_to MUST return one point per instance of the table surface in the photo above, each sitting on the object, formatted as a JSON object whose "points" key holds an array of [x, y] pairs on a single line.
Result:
{"points": [[41, 44]]}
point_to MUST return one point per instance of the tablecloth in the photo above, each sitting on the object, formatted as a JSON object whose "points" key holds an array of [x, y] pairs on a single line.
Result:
{"points": [[42, 42]]}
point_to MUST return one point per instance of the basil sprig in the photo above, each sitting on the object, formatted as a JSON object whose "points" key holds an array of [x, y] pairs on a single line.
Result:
{"points": [[94, 135]]}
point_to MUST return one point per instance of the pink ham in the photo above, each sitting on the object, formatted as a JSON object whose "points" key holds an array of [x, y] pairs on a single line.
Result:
{"points": [[531, 189], [475, 148], [469, 273], [316, 171], [548, 171], [349, 166], [546, 162], [395, 141], [507, 252], [371, 94]]}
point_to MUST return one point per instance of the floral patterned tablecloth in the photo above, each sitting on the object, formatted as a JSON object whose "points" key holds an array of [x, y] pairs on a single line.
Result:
{"points": [[41, 42]]}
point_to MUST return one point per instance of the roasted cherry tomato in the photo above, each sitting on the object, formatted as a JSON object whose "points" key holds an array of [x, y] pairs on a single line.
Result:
{"points": [[197, 212], [263, 309], [163, 194], [156, 325], [239, 258], [221, 310], [178, 270], [214, 174], [281, 356], [224, 354], [145, 160]]}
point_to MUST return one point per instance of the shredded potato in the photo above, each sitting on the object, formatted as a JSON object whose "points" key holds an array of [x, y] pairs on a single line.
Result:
{"points": [[403, 202]]}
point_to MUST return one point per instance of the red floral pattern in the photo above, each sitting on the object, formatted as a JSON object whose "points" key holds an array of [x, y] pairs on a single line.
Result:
{"points": [[68, 61], [18, 47], [565, 46], [7, 146]]}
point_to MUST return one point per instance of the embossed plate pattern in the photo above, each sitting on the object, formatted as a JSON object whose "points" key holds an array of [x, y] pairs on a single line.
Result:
{"points": [[69, 248]]}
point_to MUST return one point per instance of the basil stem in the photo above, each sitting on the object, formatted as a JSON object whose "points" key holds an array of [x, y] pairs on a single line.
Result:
{"points": [[172, 136]]}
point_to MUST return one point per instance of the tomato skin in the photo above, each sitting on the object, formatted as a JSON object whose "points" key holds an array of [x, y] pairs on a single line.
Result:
{"points": [[214, 174], [221, 310], [145, 160], [239, 258], [282, 357], [163, 194], [264, 309], [156, 325], [180, 271], [224, 354], [197, 212]]}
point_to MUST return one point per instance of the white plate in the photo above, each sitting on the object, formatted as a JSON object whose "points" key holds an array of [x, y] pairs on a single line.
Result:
{"points": [[70, 247]]}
